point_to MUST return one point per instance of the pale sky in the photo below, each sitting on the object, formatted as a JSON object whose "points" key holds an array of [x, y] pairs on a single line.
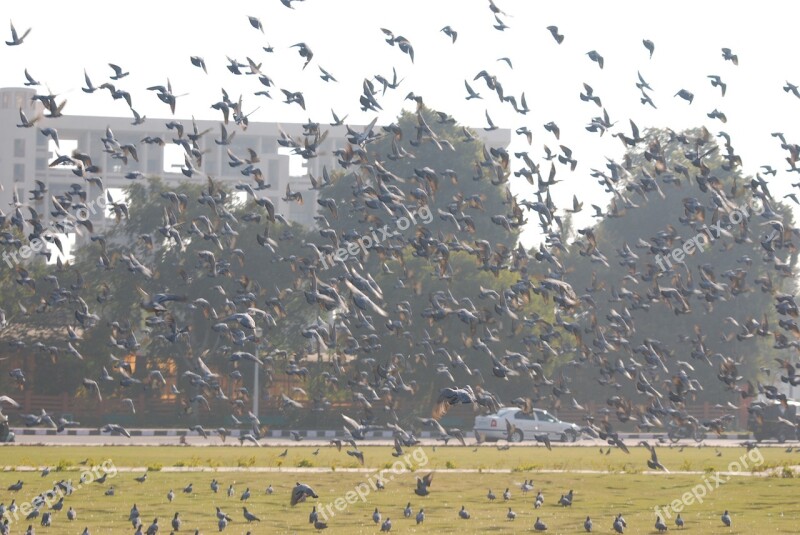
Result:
{"points": [[154, 40]]}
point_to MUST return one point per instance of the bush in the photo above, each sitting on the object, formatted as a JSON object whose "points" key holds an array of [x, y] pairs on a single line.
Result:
{"points": [[246, 462], [63, 465], [524, 468], [191, 462]]}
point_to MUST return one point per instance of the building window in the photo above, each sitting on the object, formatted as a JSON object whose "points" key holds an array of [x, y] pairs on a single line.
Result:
{"points": [[273, 172], [174, 158], [19, 172], [19, 148], [66, 146], [297, 165]]}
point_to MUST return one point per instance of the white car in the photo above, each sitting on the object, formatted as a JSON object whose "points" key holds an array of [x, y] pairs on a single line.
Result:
{"points": [[537, 422]]}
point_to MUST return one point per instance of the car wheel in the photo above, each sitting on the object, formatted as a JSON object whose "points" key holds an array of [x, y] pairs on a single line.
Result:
{"points": [[569, 436], [782, 437], [516, 436]]}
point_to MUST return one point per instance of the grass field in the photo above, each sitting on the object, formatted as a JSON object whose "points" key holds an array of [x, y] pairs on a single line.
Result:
{"points": [[518, 458], [757, 504]]}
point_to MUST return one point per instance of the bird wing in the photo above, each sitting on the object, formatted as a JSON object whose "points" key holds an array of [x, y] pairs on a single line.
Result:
{"points": [[349, 421], [6, 399]]}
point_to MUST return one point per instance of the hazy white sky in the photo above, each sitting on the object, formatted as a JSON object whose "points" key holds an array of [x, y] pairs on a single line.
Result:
{"points": [[154, 40]]}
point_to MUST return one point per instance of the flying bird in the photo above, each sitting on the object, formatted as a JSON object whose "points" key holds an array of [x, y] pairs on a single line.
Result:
{"points": [[688, 96], [554, 32], [716, 81], [727, 55], [452, 396], [197, 61], [450, 32], [255, 23], [119, 73], [596, 57], [17, 39], [650, 46]]}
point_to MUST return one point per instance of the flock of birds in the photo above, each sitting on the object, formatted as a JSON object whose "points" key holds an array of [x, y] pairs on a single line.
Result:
{"points": [[298, 495], [357, 303], [65, 488]]}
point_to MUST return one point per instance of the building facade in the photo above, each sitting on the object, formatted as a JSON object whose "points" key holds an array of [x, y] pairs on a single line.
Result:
{"points": [[26, 153]]}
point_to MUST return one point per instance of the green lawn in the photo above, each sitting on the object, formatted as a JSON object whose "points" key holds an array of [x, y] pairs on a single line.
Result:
{"points": [[757, 504], [689, 458]]}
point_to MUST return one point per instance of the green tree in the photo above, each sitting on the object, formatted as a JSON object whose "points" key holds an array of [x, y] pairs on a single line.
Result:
{"points": [[674, 190]]}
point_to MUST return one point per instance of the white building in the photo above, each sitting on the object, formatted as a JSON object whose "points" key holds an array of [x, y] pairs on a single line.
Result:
{"points": [[25, 155]]}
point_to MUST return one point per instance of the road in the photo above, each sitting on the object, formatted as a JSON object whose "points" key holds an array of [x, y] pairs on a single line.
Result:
{"points": [[109, 440]]}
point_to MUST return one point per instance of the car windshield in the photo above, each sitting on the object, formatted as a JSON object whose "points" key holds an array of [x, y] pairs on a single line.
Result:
{"points": [[545, 417]]}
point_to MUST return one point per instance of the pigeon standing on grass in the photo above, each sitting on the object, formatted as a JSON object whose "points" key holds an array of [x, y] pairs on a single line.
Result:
{"points": [[726, 518], [250, 517], [619, 524]]}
